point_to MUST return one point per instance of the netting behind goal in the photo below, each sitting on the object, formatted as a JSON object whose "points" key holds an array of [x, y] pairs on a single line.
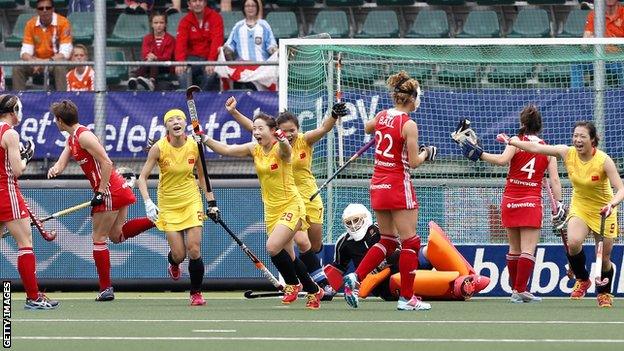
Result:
{"points": [[486, 81]]}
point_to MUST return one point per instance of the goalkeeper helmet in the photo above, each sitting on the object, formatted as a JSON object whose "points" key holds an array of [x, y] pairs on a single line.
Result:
{"points": [[357, 218]]}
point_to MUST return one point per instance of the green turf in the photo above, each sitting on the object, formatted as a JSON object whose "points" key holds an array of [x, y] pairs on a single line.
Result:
{"points": [[164, 321]]}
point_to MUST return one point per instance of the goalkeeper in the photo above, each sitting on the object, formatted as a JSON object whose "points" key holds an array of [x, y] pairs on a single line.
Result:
{"points": [[452, 279], [521, 206]]}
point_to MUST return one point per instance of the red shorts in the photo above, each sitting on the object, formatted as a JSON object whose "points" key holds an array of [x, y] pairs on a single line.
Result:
{"points": [[116, 199], [12, 205], [525, 212], [390, 192]]}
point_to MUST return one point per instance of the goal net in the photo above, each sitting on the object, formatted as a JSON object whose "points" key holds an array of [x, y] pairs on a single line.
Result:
{"points": [[488, 81]]}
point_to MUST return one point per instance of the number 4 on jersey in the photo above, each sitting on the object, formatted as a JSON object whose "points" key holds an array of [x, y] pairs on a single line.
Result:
{"points": [[529, 167]]}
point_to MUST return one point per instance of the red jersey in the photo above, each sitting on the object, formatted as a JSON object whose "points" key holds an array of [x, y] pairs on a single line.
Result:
{"points": [[80, 82], [12, 204], [526, 171], [163, 48], [201, 39], [391, 186]]}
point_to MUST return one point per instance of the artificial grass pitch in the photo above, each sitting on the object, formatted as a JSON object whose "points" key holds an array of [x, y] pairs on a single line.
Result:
{"points": [[165, 321]]}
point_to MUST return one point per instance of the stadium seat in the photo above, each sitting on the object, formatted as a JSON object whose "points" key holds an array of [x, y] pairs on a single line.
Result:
{"points": [[481, 24], [229, 20], [495, 2], [284, 24], [574, 25], [356, 75], [82, 27], [463, 73], [380, 24], [15, 40], [8, 4], [429, 24], [446, 2], [511, 73], [531, 23], [129, 30], [546, 2], [294, 3], [172, 23], [115, 74], [6, 55], [395, 2], [334, 23], [343, 3]]}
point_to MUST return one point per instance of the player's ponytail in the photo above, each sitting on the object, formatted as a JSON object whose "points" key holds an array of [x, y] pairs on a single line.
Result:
{"points": [[531, 121]]}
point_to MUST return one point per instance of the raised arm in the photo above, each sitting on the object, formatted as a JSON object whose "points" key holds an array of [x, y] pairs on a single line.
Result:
{"points": [[550, 150], [369, 126], [230, 106], [499, 159], [229, 150], [338, 110]]}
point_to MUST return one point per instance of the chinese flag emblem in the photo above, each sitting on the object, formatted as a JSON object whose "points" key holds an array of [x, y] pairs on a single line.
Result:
{"points": [[191, 161], [302, 155], [595, 178], [274, 166]]}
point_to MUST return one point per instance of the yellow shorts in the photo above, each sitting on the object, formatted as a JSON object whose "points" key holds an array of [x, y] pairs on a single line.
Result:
{"points": [[314, 210], [592, 220], [287, 215], [173, 219]]}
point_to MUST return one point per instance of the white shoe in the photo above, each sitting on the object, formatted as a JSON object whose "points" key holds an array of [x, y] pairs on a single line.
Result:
{"points": [[413, 304], [351, 292], [524, 297]]}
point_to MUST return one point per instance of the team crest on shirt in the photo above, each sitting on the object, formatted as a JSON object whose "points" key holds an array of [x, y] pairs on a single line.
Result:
{"points": [[191, 161], [258, 40], [595, 178], [274, 166], [302, 155]]}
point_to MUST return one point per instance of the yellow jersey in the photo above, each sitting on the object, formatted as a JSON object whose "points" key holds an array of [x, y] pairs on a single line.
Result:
{"points": [[276, 179], [302, 167], [177, 186]]}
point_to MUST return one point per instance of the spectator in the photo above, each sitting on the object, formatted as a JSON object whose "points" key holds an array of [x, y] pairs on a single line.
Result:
{"points": [[80, 6], [200, 34], [80, 78], [176, 6], [139, 7], [614, 28], [157, 46], [47, 37]]}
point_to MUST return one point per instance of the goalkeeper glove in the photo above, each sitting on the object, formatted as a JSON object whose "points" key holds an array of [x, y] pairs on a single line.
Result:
{"points": [[471, 151]]}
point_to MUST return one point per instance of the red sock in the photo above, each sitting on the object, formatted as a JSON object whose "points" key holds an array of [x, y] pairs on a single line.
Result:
{"points": [[408, 263], [525, 268], [135, 227], [512, 265], [386, 245], [101, 255], [26, 268]]}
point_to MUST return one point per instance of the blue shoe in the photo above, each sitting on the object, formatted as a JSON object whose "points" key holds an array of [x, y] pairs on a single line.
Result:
{"points": [[413, 304], [351, 292], [106, 295], [41, 303]]}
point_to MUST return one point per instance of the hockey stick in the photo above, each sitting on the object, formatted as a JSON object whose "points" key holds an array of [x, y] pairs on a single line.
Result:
{"points": [[599, 244], [338, 100], [356, 155], [563, 233], [47, 235], [267, 274], [190, 103]]}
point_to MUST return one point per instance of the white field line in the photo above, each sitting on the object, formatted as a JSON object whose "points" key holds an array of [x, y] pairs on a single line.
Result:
{"points": [[214, 330], [59, 320], [385, 340]]}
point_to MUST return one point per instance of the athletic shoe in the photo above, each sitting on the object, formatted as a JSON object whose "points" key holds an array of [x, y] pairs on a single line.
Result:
{"points": [[106, 295], [413, 304], [132, 84], [197, 299], [605, 300], [291, 292], [146, 83], [524, 297], [174, 271], [41, 303], [579, 289], [314, 300], [328, 293], [351, 292]]}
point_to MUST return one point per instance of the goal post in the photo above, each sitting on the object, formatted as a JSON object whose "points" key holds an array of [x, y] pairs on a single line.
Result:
{"points": [[488, 81]]}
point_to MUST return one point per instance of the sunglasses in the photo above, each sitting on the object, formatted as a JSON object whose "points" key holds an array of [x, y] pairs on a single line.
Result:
{"points": [[44, 8]]}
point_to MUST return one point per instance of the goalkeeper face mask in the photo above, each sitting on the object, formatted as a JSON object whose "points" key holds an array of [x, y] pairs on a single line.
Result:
{"points": [[417, 98], [356, 218], [18, 110]]}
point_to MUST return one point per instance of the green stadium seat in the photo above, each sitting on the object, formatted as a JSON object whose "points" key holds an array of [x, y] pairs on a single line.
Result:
{"points": [[511, 73], [395, 2], [495, 2], [429, 24], [446, 2], [481, 24], [354, 74], [229, 20], [463, 74], [380, 24], [8, 4], [294, 3], [6, 55], [334, 23], [172, 23], [546, 2], [531, 23], [15, 40], [284, 24], [82, 27], [343, 3], [129, 30], [574, 25], [115, 74]]}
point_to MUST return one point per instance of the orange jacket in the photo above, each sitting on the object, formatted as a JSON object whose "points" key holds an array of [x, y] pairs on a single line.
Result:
{"points": [[46, 42]]}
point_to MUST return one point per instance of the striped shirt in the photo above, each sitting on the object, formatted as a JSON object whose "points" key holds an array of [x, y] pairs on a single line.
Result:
{"points": [[251, 43]]}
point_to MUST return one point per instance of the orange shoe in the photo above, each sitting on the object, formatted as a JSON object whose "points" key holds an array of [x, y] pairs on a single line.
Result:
{"points": [[580, 288], [605, 300], [291, 292], [314, 300]]}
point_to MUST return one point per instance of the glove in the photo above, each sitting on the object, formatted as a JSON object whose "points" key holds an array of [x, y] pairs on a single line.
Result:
{"points": [[503, 138], [281, 136], [559, 218], [471, 151], [339, 110], [213, 211], [606, 211], [199, 137], [98, 199], [27, 152], [432, 152], [151, 210]]}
